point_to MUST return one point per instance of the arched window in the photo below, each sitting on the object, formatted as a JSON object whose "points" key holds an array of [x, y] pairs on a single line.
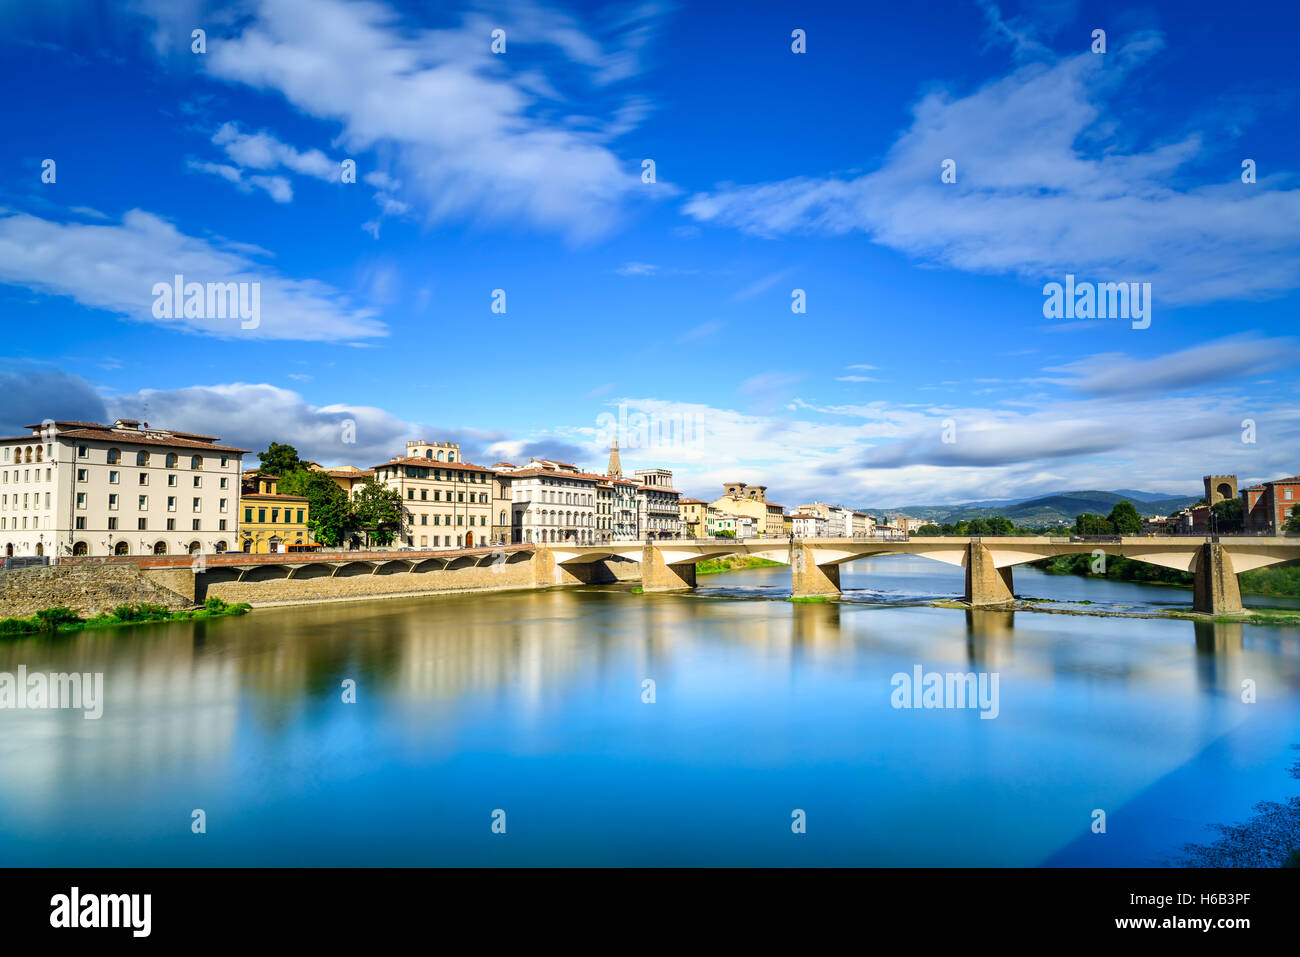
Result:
{"points": [[195, 548], [451, 456], [121, 548], [28, 457], [114, 456], [160, 547], [196, 461], [502, 519], [171, 460], [39, 450], [81, 548], [440, 458], [221, 547], [142, 458]]}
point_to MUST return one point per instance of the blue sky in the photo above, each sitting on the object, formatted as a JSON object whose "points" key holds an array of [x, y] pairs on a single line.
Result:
{"points": [[923, 369]]}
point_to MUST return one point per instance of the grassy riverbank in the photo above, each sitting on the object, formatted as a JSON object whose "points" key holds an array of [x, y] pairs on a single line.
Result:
{"points": [[62, 618], [731, 563], [1274, 581]]}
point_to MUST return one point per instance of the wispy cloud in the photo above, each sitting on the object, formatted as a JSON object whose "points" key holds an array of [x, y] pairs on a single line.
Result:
{"points": [[1044, 187], [473, 136], [115, 267]]}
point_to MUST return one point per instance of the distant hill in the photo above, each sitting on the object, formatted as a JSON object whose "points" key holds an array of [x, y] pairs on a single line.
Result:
{"points": [[1047, 509]]}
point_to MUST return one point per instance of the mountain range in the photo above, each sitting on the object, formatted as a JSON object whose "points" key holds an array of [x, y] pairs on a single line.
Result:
{"points": [[1058, 507]]}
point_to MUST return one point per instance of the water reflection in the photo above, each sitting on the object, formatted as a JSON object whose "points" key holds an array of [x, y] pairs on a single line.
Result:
{"points": [[535, 698]]}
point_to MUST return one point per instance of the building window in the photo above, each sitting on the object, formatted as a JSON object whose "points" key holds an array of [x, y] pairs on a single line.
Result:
{"points": [[171, 460], [114, 456], [112, 477], [142, 458], [112, 500], [142, 524], [248, 515], [144, 478], [81, 522], [195, 527], [81, 500], [112, 524], [82, 452], [196, 461], [171, 524]]}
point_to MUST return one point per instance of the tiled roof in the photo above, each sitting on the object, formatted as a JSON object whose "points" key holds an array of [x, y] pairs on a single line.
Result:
{"points": [[273, 496], [433, 464], [131, 438]]}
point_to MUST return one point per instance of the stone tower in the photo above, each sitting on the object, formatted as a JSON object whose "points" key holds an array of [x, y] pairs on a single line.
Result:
{"points": [[1219, 487], [615, 469]]}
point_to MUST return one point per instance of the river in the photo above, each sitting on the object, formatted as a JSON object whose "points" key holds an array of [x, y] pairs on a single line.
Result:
{"points": [[533, 704]]}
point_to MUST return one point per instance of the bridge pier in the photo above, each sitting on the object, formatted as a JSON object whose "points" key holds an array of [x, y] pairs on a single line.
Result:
{"points": [[658, 575], [986, 584], [547, 571], [807, 578], [1215, 590]]}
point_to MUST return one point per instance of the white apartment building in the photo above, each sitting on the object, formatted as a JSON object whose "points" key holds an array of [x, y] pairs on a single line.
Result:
{"points": [[549, 502], [839, 520], [657, 509], [446, 501], [809, 525], [81, 488]]}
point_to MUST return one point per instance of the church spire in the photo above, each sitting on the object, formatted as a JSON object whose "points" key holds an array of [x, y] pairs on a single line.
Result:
{"points": [[615, 469]]}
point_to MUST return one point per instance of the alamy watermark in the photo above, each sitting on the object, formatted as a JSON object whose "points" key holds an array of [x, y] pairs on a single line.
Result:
{"points": [[642, 431], [39, 691], [1102, 300], [179, 299], [930, 689]]}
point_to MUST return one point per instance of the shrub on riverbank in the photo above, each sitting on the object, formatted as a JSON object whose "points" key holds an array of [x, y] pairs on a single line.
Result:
{"points": [[732, 562], [1273, 581], [63, 618]]}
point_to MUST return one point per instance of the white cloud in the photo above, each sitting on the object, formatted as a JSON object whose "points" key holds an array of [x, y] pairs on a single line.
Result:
{"points": [[115, 267], [263, 151], [473, 136], [1044, 187], [277, 187]]}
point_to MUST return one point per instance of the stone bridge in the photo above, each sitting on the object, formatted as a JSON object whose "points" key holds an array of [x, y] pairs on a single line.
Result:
{"points": [[670, 565]]}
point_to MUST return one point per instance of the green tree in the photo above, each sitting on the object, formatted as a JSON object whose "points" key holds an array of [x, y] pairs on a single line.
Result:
{"points": [[279, 460], [1089, 523], [1227, 515], [329, 514], [929, 529], [999, 525], [1125, 520], [377, 511], [1292, 526]]}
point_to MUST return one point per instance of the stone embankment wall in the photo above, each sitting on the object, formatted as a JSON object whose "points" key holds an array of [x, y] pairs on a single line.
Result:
{"points": [[88, 589], [93, 587], [357, 581]]}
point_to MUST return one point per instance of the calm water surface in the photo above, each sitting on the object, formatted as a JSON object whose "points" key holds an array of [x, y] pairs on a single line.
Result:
{"points": [[531, 702]]}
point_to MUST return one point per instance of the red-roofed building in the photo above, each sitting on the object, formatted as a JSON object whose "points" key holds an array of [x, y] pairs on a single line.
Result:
{"points": [[1266, 507], [446, 502], [81, 488]]}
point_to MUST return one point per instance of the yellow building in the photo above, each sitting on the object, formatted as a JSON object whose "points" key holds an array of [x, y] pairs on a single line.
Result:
{"points": [[751, 500], [347, 477], [271, 522], [694, 515]]}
